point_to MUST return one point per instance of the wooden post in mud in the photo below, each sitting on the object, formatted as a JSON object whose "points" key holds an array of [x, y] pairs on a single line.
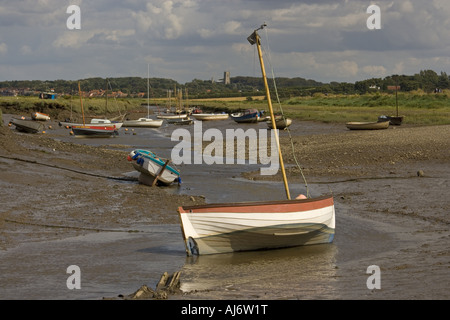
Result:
{"points": [[160, 173]]}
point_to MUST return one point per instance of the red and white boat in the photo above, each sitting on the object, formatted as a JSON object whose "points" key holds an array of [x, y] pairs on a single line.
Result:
{"points": [[245, 226], [224, 228], [94, 131]]}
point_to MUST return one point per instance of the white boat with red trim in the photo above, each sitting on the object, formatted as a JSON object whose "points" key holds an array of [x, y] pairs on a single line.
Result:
{"points": [[94, 131], [231, 227], [244, 226]]}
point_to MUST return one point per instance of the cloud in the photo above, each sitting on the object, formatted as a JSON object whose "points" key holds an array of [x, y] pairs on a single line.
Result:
{"points": [[26, 50], [162, 19], [3, 48], [375, 71], [187, 39]]}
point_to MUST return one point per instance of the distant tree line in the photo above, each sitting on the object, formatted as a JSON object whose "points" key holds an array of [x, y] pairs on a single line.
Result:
{"points": [[426, 80]]}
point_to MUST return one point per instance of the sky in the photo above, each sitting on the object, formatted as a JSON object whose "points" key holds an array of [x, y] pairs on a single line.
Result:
{"points": [[200, 39]]}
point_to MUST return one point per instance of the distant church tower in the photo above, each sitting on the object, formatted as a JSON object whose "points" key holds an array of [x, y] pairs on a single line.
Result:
{"points": [[226, 77]]}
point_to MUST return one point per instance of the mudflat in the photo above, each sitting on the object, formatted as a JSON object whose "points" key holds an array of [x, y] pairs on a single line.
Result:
{"points": [[397, 180]]}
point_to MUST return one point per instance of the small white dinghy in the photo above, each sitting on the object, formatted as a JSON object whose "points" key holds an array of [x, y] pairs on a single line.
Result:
{"points": [[40, 116], [245, 226]]}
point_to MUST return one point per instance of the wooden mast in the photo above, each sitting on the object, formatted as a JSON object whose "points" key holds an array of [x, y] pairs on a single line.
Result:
{"points": [[148, 91], [106, 107], [81, 101], [396, 95], [254, 38]]}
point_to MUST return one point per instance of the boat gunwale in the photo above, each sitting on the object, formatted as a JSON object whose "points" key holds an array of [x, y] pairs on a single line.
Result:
{"points": [[186, 209], [367, 125], [95, 127]]}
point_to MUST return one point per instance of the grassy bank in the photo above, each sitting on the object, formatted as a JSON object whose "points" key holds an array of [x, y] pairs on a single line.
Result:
{"points": [[418, 108], [62, 107]]}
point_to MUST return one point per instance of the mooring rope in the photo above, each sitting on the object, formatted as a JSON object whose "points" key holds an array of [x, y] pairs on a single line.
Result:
{"points": [[68, 169], [283, 116]]}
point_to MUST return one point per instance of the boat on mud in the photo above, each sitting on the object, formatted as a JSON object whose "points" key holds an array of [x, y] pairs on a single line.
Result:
{"points": [[143, 123], [210, 116], [248, 226], [280, 122], [28, 126], [94, 131], [153, 169], [367, 125], [247, 116], [40, 116]]}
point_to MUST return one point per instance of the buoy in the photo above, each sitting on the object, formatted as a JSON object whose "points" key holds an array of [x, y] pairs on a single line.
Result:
{"points": [[9, 124], [67, 127], [43, 131], [71, 132], [301, 196], [50, 127]]}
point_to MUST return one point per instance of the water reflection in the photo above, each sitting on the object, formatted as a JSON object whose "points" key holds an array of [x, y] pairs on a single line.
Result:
{"points": [[307, 272]]}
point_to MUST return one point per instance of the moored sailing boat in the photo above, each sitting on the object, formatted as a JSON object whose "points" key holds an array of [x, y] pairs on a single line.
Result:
{"points": [[178, 113], [246, 116], [145, 122], [93, 130], [210, 116], [244, 226]]}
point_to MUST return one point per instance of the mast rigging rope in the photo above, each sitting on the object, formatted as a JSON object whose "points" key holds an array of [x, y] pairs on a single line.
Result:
{"points": [[283, 116]]}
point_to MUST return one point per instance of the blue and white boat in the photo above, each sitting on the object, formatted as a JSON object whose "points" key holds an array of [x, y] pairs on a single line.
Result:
{"points": [[153, 167], [247, 116]]}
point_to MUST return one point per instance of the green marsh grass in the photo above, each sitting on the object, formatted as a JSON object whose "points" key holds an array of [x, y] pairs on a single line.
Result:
{"points": [[417, 107]]}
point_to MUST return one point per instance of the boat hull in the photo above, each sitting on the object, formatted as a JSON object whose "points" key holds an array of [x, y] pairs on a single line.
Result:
{"points": [[280, 123], [107, 122], [249, 116], [143, 123], [76, 124], [210, 116], [40, 116], [172, 116], [28, 126], [150, 165], [367, 125], [393, 120], [225, 228], [186, 121], [94, 131]]}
